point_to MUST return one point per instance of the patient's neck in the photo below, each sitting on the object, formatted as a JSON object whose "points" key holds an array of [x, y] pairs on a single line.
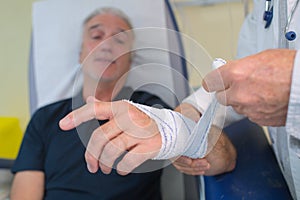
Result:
{"points": [[103, 91]]}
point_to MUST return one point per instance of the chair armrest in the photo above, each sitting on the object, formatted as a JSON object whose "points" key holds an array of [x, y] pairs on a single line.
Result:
{"points": [[6, 163]]}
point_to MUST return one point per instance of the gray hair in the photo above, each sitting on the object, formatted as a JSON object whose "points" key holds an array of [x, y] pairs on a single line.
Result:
{"points": [[109, 10], [113, 11]]}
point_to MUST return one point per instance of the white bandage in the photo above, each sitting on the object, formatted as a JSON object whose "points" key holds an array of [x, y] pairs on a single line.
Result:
{"points": [[175, 130], [198, 140], [180, 135]]}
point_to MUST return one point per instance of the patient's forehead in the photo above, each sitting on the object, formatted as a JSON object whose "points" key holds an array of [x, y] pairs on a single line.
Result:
{"points": [[108, 21]]}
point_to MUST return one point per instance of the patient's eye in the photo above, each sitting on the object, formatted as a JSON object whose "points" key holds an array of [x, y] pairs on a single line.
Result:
{"points": [[97, 35], [121, 38]]}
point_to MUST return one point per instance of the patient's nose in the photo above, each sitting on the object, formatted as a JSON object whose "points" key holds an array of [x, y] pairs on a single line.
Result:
{"points": [[106, 46]]}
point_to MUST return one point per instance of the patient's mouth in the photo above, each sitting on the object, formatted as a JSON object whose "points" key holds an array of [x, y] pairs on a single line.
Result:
{"points": [[105, 60]]}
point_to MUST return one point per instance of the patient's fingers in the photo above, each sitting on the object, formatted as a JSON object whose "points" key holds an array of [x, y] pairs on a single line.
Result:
{"points": [[93, 109], [92, 162], [100, 137], [109, 141], [191, 166], [191, 171], [183, 161], [113, 150], [133, 159]]}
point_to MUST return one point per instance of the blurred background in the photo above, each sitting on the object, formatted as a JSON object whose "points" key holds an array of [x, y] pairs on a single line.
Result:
{"points": [[213, 25]]}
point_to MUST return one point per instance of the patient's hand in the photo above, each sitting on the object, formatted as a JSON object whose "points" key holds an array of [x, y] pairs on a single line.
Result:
{"points": [[128, 130], [221, 159], [192, 166]]}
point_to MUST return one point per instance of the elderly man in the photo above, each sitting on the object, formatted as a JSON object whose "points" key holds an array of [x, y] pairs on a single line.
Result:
{"points": [[50, 164]]}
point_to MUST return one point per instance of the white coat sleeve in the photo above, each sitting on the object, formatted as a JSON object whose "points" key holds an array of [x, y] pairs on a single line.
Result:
{"points": [[293, 117]]}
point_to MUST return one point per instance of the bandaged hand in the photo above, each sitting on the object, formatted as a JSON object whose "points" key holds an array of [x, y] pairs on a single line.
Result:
{"points": [[130, 130], [176, 133]]}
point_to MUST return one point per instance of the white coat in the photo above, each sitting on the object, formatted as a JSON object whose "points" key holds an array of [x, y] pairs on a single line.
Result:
{"points": [[254, 37]]}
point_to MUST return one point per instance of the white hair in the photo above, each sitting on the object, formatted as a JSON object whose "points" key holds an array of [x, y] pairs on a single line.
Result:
{"points": [[112, 11], [109, 10]]}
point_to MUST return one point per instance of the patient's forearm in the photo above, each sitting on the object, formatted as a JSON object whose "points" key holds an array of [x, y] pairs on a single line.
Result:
{"points": [[221, 157], [28, 185]]}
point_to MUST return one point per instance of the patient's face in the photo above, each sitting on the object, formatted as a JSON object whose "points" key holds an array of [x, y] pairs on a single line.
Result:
{"points": [[106, 46]]}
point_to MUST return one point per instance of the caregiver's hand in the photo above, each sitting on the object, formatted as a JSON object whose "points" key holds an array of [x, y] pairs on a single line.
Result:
{"points": [[257, 86]]}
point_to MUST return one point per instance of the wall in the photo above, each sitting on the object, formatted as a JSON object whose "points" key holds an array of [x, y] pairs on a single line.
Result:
{"points": [[215, 27], [15, 23]]}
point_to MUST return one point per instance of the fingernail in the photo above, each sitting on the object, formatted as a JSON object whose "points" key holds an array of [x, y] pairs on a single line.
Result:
{"points": [[65, 121], [91, 169], [122, 173]]}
